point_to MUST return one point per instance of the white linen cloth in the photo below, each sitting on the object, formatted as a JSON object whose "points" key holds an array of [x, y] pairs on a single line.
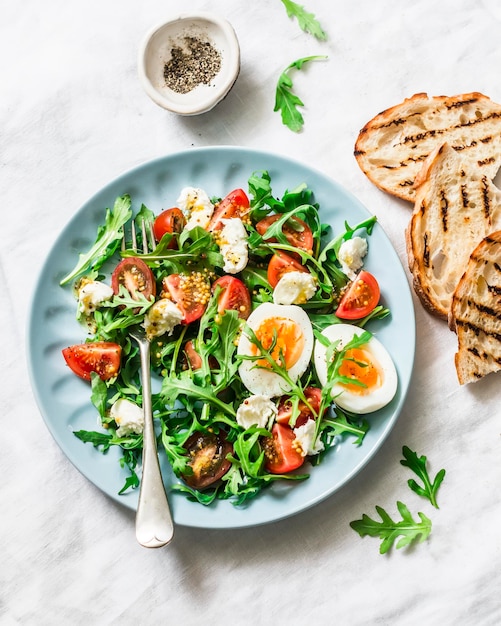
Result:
{"points": [[73, 116]]}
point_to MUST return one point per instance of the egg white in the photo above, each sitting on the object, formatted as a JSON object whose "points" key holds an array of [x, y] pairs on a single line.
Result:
{"points": [[262, 381], [344, 398]]}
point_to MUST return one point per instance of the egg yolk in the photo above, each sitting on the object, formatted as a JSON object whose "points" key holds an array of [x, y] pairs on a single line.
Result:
{"points": [[288, 338], [359, 365]]}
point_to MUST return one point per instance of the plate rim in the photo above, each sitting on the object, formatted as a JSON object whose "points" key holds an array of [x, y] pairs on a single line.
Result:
{"points": [[139, 169]]}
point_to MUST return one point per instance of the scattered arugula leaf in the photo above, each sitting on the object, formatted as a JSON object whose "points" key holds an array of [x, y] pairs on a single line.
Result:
{"points": [[307, 21], [388, 530], [418, 465], [108, 237], [286, 101]]}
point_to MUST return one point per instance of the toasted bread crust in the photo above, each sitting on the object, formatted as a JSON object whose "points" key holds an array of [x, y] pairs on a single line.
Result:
{"points": [[455, 208], [391, 148], [475, 313]]}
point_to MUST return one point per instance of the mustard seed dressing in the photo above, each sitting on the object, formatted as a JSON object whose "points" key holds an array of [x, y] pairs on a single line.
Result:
{"points": [[194, 64]]}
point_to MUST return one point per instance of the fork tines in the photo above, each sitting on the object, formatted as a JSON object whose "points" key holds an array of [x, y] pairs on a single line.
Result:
{"points": [[147, 236]]}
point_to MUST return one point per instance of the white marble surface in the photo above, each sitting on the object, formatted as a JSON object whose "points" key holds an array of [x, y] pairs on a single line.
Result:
{"points": [[73, 117]]}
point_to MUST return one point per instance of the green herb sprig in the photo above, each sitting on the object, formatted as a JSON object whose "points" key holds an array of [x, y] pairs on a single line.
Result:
{"points": [[108, 237], [408, 529], [286, 101], [418, 465], [307, 21]]}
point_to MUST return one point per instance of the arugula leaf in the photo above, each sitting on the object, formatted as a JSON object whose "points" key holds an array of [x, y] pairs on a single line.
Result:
{"points": [[107, 240], [184, 385], [388, 530], [307, 21], [204, 497], [340, 424], [99, 395], [286, 100], [418, 466], [98, 440], [139, 304], [129, 460]]}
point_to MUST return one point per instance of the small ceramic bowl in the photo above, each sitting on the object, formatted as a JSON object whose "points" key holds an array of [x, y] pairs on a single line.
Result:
{"points": [[189, 64]]}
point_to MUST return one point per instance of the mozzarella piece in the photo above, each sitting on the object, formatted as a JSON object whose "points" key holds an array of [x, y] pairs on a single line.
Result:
{"points": [[161, 318], [196, 206], [294, 288], [92, 294], [257, 410], [351, 255], [233, 245], [128, 416], [305, 438]]}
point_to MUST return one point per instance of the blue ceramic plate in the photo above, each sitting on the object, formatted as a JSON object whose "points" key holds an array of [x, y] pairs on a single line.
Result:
{"points": [[64, 399]]}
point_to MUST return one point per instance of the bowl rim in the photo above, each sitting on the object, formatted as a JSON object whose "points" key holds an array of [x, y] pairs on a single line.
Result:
{"points": [[233, 58]]}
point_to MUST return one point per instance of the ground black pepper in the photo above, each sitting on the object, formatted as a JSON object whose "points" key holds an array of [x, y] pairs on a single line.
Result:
{"points": [[194, 64]]}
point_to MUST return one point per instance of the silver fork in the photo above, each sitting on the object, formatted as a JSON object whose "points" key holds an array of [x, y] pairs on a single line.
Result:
{"points": [[154, 524]]}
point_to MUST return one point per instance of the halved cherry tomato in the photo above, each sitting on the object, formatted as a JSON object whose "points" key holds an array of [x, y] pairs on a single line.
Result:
{"points": [[190, 292], [192, 356], [297, 232], [169, 221], [102, 357], [194, 360], [234, 296], [235, 204], [280, 454], [133, 273], [360, 298], [208, 461], [281, 263], [314, 397]]}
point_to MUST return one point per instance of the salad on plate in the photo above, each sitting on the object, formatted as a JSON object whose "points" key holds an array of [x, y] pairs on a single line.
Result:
{"points": [[259, 321]]}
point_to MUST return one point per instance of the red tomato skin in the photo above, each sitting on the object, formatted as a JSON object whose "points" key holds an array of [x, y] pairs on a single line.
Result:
{"points": [[280, 455], [184, 298], [136, 276], [169, 221], [234, 296], [299, 239], [281, 263], [314, 397], [192, 356], [101, 357], [359, 299], [235, 204]]}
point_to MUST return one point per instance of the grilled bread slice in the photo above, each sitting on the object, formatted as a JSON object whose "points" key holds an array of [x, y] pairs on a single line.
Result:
{"points": [[456, 207], [475, 313], [391, 147]]}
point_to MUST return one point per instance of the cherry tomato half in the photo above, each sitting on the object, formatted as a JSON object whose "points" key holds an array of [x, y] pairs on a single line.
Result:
{"points": [[280, 454], [194, 360], [235, 204], [281, 263], [208, 461], [190, 292], [169, 221], [360, 298], [234, 296], [297, 232], [133, 273], [314, 397], [101, 357]]}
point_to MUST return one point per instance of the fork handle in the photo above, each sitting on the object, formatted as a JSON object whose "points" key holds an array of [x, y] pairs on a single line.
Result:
{"points": [[154, 525]]}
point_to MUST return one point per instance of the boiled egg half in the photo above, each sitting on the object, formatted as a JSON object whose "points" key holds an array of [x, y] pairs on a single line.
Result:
{"points": [[285, 332], [369, 364]]}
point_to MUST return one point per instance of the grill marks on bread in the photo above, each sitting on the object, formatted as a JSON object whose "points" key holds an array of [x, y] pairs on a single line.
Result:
{"points": [[475, 313], [455, 209], [391, 147]]}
